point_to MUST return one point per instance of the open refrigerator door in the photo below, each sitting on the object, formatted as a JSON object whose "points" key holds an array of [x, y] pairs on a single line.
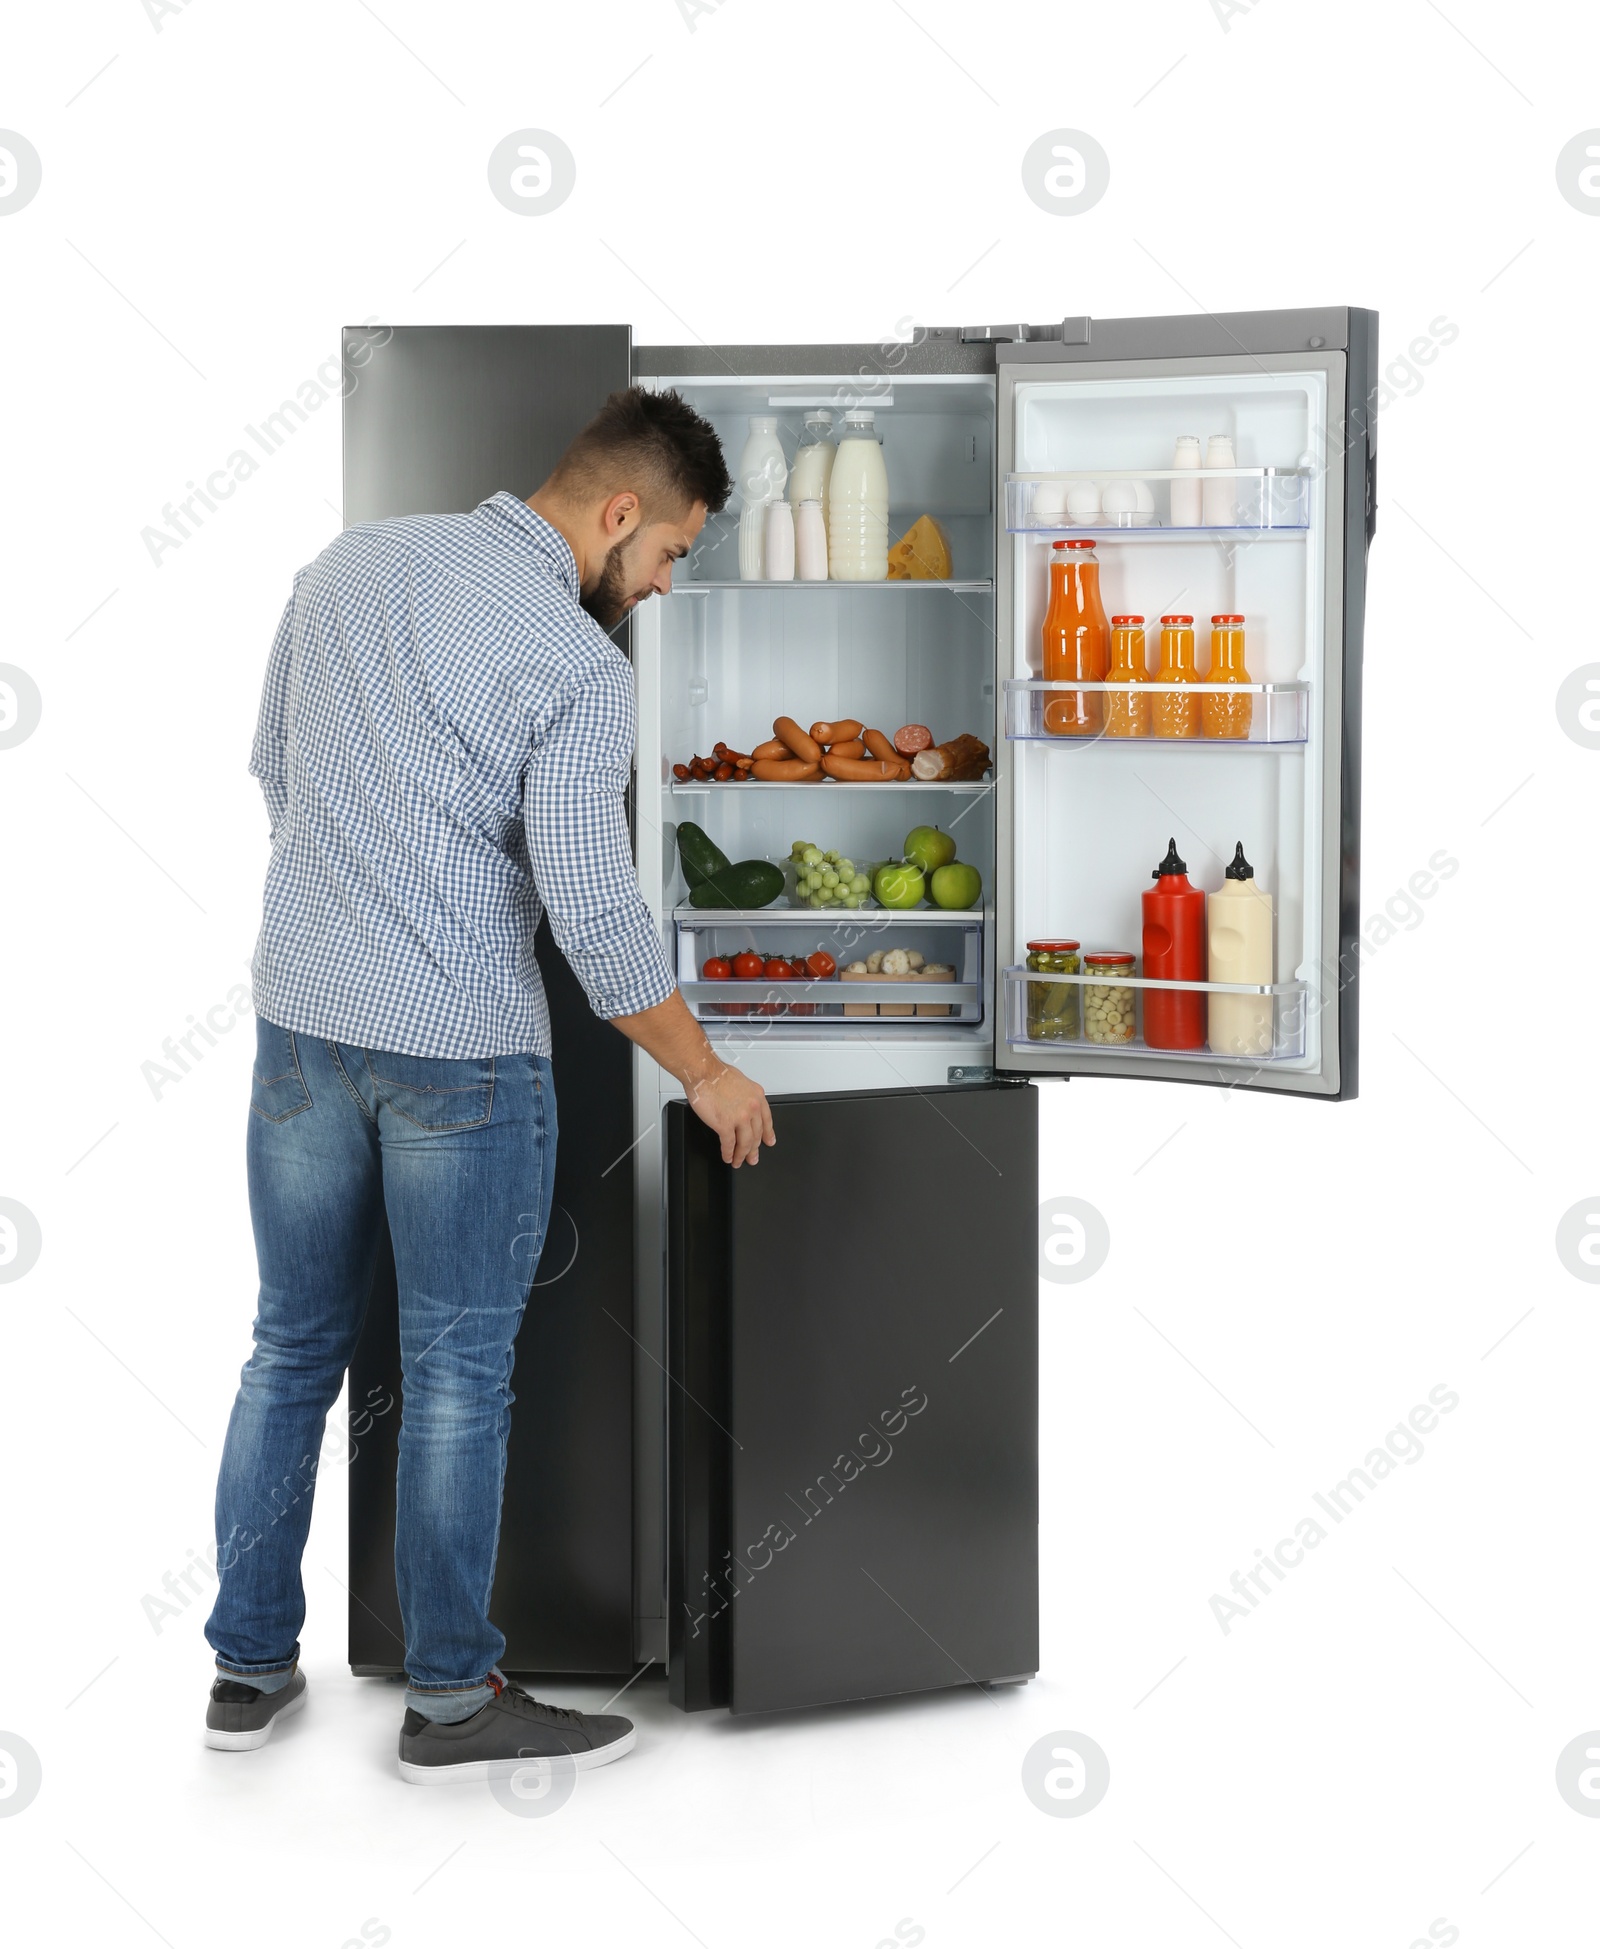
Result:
{"points": [[1178, 747]]}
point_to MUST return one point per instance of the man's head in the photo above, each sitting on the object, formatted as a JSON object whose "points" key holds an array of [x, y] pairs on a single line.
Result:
{"points": [[631, 494]]}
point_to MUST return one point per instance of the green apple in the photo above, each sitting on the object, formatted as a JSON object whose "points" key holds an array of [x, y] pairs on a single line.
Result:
{"points": [[929, 848], [956, 886], [898, 884]]}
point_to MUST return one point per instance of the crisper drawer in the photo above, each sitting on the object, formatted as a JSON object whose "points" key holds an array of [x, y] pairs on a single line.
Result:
{"points": [[942, 983]]}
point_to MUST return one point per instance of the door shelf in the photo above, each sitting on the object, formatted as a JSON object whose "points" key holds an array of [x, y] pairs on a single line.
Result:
{"points": [[960, 587], [950, 941], [1263, 500], [1279, 715], [1268, 1022]]}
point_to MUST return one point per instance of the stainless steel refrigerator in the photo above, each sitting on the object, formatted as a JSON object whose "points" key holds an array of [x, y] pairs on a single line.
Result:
{"points": [[777, 1429]]}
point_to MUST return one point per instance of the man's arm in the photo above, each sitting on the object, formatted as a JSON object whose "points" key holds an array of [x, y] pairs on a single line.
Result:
{"points": [[577, 837], [722, 1097], [269, 752]]}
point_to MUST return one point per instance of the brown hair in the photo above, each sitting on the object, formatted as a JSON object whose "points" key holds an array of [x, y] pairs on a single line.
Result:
{"points": [[652, 442]]}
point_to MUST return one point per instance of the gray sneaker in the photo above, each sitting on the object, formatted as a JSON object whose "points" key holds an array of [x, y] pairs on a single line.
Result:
{"points": [[502, 1736], [239, 1718]]}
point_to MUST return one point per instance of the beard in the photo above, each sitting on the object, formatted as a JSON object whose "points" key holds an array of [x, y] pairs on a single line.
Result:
{"points": [[608, 600]]}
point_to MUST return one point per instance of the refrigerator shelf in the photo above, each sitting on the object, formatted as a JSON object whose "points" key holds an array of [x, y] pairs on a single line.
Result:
{"points": [[1266, 500], [1280, 713], [694, 786], [824, 920], [1282, 1018], [960, 587]]}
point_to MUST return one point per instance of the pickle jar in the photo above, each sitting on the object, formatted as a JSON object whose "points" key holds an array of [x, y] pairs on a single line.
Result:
{"points": [[1108, 1012], [1053, 1005]]}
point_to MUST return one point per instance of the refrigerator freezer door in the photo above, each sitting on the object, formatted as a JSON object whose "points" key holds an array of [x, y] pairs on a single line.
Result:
{"points": [[1076, 816], [854, 1400], [437, 418]]}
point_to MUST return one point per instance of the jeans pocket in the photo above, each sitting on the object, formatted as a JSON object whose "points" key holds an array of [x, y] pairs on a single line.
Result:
{"points": [[434, 1092], [278, 1090]]}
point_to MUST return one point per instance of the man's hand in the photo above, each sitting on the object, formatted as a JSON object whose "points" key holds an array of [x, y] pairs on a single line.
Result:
{"points": [[721, 1096], [728, 1102]]}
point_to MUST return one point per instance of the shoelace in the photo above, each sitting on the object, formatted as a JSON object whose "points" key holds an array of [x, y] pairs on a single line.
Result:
{"points": [[559, 1715]]}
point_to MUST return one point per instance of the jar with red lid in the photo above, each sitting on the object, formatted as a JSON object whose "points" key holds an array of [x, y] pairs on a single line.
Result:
{"points": [[1108, 1011], [1053, 1005]]}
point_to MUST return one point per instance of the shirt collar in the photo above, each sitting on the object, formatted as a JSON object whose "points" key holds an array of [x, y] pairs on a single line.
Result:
{"points": [[512, 515]]}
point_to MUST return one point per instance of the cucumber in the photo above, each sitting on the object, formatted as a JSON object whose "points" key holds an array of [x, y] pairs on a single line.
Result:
{"points": [[751, 883], [700, 854]]}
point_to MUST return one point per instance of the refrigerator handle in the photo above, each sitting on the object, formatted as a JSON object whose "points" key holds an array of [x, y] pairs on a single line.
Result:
{"points": [[1372, 492]]}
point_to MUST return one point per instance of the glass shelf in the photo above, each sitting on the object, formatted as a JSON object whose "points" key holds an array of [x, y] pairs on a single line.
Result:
{"points": [[1274, 1030], [695, 786], [967, 587], [1279, 715], [1264, 500]]}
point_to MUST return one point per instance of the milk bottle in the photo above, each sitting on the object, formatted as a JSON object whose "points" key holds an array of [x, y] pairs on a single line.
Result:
{"points": [[858, 504], [762, 473], [813, 464], [1239, 948]]}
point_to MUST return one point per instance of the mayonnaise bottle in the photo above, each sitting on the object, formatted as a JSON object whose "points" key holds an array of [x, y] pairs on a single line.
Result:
{"points": [[1239, 948]]}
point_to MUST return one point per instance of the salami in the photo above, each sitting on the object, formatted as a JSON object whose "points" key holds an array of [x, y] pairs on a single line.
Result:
{"points": [[957, 762], [912, 738]]}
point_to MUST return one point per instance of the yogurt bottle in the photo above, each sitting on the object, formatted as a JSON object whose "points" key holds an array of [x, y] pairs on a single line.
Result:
{"points": [[813, 463], [1239, 948], [762, 474], [1220, 497], [1186, 493], [858, 504]]}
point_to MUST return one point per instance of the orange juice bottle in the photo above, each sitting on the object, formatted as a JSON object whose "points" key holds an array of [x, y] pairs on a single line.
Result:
{"points": [[1077, 641], [1127, 713], [1227, 717], [1173, 715]]}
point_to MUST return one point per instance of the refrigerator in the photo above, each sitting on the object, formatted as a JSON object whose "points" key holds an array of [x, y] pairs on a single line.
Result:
{"points": [[777, 1429]]}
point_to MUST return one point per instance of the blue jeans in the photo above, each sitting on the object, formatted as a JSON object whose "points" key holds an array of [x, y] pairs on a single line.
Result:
{"points": [[459, 1157]]}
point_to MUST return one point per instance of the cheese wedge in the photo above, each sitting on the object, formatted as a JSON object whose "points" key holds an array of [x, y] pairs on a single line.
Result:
{"points": [[922, 554]]}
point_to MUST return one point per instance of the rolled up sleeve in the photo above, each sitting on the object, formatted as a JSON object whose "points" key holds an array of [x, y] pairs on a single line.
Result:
{"points": [[574, 816], [269, 752]]}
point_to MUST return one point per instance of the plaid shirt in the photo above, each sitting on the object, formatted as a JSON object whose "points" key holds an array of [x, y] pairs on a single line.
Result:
{"points": [[444, 743]]}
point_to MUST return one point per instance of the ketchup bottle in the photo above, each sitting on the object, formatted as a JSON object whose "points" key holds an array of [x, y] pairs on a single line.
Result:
{"points": [[1174, 950]]}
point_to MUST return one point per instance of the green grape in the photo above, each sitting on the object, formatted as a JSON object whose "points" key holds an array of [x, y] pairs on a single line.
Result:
{"points": [[846, 868], [852, 900], [811, 855], [830, 878], [814, 900], [860, 884]]}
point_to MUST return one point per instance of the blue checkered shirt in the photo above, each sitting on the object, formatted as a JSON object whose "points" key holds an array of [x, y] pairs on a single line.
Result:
{"points": [[444, 744]]}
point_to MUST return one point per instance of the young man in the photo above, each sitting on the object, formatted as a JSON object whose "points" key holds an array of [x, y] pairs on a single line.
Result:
{"points": [[445, 737]]}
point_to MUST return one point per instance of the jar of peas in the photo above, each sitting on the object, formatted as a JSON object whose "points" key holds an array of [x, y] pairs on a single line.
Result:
{"points": [[1053, 1005], [1108, 1011]]}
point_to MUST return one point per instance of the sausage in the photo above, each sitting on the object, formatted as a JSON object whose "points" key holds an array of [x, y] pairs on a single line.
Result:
{"points": [[724, 772], [703, 767], [844, 732], [912, 738], [961, 760], [880, 747], [866, 771], [773, 748], [784, 771], [682, 773], [798, 741], [850, 748]]}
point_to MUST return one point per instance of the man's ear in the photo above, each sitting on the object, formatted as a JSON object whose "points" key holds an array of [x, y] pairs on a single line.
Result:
{"points": [[621, 515]]}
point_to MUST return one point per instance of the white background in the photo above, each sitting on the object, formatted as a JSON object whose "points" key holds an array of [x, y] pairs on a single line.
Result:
{"points": [[1370, 1748]]}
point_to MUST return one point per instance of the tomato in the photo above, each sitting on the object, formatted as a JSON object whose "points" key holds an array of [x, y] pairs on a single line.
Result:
{"points": [[716, 969], [777, 970], [797, 968], [820, 966], [747, 966]]}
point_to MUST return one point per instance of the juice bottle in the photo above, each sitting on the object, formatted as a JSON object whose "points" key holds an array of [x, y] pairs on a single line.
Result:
{"points": [[1173, 715], [1227, 717], [1174, 950], [1077, 641], [1128, 715], [1239, 948]]}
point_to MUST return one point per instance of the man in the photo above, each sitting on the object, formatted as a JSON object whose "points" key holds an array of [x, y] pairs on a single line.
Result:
{"points": [[445, 738]]}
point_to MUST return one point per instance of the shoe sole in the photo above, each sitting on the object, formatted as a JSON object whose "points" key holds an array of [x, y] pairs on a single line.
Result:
{"points": [[419, 1775], [247, 1742]]}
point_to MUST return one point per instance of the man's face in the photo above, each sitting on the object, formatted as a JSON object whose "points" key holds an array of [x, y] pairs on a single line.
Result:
{"points": [[640, 565]]}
